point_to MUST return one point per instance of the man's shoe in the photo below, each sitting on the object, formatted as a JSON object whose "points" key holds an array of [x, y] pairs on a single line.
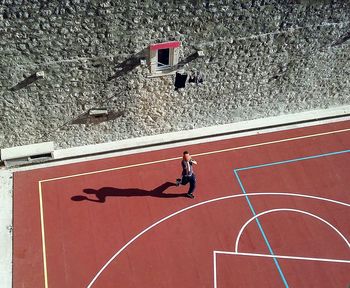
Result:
{"points": [[190, 195], [178, 181]]}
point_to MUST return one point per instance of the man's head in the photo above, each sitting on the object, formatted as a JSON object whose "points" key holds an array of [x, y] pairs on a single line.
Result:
{"points": [[186, 156]]}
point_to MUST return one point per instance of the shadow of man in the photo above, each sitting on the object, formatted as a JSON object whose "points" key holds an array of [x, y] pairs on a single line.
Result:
{"points": [[128, 65], [104, 192]]}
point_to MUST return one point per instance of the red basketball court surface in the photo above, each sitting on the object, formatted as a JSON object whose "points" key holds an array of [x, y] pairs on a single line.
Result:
{"points": [[270, 210]]}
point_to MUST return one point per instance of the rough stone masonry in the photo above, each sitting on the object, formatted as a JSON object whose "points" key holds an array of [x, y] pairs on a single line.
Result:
{"points": [[61, 58]]}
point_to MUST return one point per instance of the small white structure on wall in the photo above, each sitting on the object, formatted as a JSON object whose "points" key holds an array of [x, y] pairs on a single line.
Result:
{"points": [[163, 58]]}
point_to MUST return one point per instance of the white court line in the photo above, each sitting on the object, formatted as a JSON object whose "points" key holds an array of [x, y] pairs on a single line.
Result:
{"points": [[284, 257], [43, 236], [273, 256], [215, 273], [200, 204], [289, 210], [200, 154]]}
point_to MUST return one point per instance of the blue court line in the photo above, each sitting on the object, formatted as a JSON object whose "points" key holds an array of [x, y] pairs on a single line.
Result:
{"points": [[293, 160], [262, 231], [252, 208]]}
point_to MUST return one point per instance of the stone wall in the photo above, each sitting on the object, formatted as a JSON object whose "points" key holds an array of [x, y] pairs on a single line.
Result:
{"points": [[262, 58]]}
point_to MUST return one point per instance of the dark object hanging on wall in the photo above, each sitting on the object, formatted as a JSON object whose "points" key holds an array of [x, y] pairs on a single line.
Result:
{"points": [[180, 80], [196, 77]]}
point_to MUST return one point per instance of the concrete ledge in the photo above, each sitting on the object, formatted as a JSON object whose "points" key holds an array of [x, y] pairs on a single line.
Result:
{"points": [[28, 153], [6, 229], [200, 133], [27, 150]]}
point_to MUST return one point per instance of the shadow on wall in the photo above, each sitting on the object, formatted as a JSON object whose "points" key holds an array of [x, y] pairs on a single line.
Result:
{"points": [[29, 80], [128, 65], [103, 193], [87, 118], [342, 39], [188, 59]]}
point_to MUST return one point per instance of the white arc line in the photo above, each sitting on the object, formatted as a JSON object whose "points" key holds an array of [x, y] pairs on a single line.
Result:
{"points": [[200, 204], [289, 210]]}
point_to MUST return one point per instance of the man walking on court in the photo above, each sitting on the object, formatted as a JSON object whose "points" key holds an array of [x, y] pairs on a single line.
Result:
{"points": [[187, 174]]}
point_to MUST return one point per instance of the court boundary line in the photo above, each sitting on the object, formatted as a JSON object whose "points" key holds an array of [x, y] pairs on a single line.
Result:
{"points": [[288, 210], [204, 203], [259, 144], [199, 154], [43, 236]]}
